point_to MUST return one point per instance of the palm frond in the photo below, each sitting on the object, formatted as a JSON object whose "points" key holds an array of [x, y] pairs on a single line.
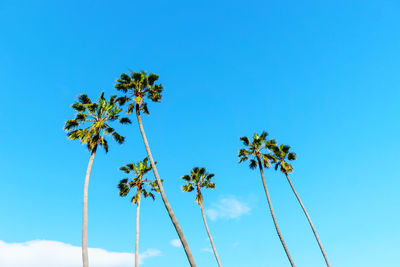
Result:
{"points": [[103, 143], [210, 185], [71, 125], [292, 156], [84, 99], [79, 107], [263, 135], [187, 188], [285, 148], [122, 100], [186, 178], [209, 176], [199, 197], [125, 120], [245, 140], [81, 117], [118, 138], [131, 107], [152, 78], [265, 162], [109, 130], [253, 164], [270, 144], [144, 109], [92, 107], [125, 169]]}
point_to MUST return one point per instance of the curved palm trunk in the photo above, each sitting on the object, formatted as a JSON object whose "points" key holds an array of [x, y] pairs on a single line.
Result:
{"points": [[273, 213], [85, 256], [137, 234], [209, 235], [163, 196], [309, 220]]}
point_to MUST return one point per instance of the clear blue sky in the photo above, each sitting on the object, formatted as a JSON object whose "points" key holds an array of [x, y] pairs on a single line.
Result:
{"points": [[322, 76]]}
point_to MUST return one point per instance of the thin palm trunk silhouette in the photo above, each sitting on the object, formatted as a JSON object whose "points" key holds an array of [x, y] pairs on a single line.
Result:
{"points": [[273, 213], [209, 235], [309, 221], [137, 233], [163, 196], [91, 126], [85, 257]]}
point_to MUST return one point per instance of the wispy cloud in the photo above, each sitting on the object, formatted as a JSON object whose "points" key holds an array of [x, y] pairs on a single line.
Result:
{"points": [[176, 243], [227, 208], [209, 250], [42, 253]]}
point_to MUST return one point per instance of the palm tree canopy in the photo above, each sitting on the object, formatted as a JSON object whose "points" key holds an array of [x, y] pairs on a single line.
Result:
{"points": [[92, 122], [256, 149], [198, 179], [139, 182], [282, 155], [136, 87]]}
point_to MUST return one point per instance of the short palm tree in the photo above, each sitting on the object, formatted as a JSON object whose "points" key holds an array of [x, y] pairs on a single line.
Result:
{"points": [[255, 152], [137, 86], [282, 154], [199, 179], [91, 125], [143, 186]]}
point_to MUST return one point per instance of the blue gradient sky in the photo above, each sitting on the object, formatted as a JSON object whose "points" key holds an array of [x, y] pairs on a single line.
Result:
{"points": [[322, 76]]}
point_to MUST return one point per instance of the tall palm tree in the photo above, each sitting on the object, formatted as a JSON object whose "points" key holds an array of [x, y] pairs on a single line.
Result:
{"points": [[282, 154], [91, 125], [136, 87], [255, 152], [143, 186], [199, 179]]}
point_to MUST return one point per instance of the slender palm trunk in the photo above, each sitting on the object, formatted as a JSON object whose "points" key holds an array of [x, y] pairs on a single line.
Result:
{"points": [[209, 235], [273, 213], [137, 234], [309, 220], [85, 256], [163, 196]]}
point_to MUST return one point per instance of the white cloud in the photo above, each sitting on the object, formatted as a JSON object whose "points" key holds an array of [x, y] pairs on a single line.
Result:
{"points": [[43, 253], [176, 243], [227, 208], [235, 244], [209, 250]]}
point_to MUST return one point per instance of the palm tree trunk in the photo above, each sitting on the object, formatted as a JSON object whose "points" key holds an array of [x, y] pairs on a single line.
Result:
{"points": [[309, 220], [163, 196], [137, 234], [85, 256], [209, 235], [272, 212]]}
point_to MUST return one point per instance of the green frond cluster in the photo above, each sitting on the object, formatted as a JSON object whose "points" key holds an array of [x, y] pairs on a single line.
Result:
{"points": [[267, 152], [198, 179], [138, 182], [91, 123], [282, 154], [137, 86], [258, 149]]}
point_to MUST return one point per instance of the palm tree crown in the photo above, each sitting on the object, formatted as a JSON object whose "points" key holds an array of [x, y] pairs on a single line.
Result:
{"points": [[139, 181], [198, 179], [255, 149], [136, 87], [282, 154], [91, 123]]}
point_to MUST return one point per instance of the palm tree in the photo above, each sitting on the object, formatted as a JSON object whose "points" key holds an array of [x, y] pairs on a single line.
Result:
{"points": [[254, 152], [143, 187], [136, 87], [282, 154], [91, 126], [198, 179]]}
